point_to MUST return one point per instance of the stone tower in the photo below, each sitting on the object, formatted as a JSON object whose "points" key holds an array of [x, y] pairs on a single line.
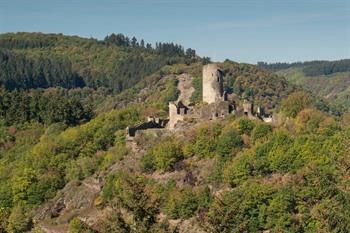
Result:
{"points": [[212, 84]]}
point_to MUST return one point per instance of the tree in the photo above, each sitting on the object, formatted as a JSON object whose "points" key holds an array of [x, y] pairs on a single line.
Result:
{"points": [[18, 221], [134, 42], [295, 102], [190, 53], [245, 126], [166, 154], [228, 140], [261, 131]]}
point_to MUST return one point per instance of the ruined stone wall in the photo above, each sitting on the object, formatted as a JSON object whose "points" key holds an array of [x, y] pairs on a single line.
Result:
{"points": [[214, 110], [151, 124], [174, 115], [212, 84]]}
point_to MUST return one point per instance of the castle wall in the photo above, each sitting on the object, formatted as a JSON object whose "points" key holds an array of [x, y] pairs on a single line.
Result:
{"points": [[212, 84], [215, 110], [174, 115], [151, 124]]}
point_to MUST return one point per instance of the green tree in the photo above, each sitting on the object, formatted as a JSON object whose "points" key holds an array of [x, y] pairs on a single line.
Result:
{"points": [[295, 102], [228, 140], [261, 131], [245, 126], [166, 154], [18, 221]]}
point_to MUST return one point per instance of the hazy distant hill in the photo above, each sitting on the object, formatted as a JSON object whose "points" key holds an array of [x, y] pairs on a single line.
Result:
{"points": [[335, 87], [326, 79]]}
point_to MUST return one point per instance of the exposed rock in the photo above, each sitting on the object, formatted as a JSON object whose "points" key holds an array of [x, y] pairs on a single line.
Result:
{"points": [[185, 87]]}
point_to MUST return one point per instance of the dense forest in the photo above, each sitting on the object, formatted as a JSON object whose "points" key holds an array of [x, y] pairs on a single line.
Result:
{"points": [[325, 79], [35, 60], [37, 106], [311, 68], [66, 164]]}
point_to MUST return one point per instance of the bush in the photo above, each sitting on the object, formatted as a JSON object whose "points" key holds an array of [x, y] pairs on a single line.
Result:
{"points": [[183, 204], [136, 195], [147, 163], [78, 226], [239, 169], [295, 102], [245, 126], [279, 211], [239, 210], [197, 94], [261, 131], [228, 140], [18, 221], [165, 155], [206, 140], [81, 168]]}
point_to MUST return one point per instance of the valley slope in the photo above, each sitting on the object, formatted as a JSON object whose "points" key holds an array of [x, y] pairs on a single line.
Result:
{"points": [[72, 169]]}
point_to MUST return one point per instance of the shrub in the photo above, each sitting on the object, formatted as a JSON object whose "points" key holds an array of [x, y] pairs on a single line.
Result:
{"points": [[206, 140], [279, 211], [245, 126], [137, 195], [239, 210], [228, 140], [295, 102], [18, 221], [183, 204], [261, 131], [197, 94], [81, 168], [239, 169], [78, 226], [147, 163], [165, 155]]}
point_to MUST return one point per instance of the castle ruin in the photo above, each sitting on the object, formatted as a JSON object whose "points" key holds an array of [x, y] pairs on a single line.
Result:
{"points": [[215, 105], [177, 112], [214, 99], [213, 84]]}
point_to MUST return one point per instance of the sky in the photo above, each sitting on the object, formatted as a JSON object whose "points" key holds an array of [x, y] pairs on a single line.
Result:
{"points": [[239, 30]]}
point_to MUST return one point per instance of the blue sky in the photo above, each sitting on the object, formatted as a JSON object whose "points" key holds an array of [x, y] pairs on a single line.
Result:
{"points": [[245, 31]]}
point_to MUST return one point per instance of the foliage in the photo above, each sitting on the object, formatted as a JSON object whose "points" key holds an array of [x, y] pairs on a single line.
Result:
{"points": [[311, 68], [258, 85], [331, 90], [33, 60], [197, 94], [205, 141], [21, 107], [245, 126], [295, 102], [136, 195], [228, 140], [163, 156], [171, 93], [18, 221], [183, 204], [41, 161], [261, 131], [78, 226], [290, 178]]}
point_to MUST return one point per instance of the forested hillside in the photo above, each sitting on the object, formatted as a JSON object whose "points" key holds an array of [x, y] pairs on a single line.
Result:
{"points": [[32, 60], [67, 166], [311, 68], [326, 79]]}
